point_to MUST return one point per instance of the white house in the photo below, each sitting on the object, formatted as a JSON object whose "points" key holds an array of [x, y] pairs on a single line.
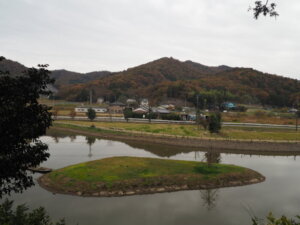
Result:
{"points": [[85, 109]]}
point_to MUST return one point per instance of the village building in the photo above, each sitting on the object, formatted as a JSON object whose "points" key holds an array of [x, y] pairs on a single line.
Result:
{"points": [[116, 107], [85, 109], [140, 111], [131, 101]]}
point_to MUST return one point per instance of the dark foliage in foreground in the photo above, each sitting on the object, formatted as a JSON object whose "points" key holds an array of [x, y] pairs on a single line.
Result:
{"points": [[271, 220], [22, 121], [21, 216], [264, 9]]}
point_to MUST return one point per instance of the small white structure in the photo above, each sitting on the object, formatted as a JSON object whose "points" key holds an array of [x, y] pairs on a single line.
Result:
{"points": [[85, 109], [145, 102], [131, 101], [100, 100]]}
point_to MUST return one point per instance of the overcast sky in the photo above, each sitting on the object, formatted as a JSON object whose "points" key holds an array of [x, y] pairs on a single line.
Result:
{"points": [[88, 35]]}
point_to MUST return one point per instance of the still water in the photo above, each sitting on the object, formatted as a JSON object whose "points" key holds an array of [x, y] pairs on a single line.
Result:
{"points": [[280, 193]]}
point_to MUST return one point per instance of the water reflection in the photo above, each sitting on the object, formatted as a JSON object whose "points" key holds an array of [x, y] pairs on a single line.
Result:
{"points": [[222, 206], [163, 150], [90, 141], [212, 157], [209, 197]]}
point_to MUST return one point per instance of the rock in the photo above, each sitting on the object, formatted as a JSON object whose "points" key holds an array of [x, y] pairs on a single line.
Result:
{"points": [[79, 193], [103, 193], [160, 189], [129, 192], [95, 194], [184, 187], [120, 193], [235, 183]]}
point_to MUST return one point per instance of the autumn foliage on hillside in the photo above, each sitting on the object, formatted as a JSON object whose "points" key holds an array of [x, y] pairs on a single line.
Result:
{"points": [[169, 78]]}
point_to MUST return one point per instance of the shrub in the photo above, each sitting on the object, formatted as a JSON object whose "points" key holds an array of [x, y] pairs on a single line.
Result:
{"points": [[260, 113], [214, 124], [151, 115], [91, 114], [170, 116], [127, 113], [240, 108], [21, 216]]}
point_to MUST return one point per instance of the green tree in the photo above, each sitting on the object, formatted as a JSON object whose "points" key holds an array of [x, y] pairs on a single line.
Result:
{"points": [[91, 114], [214, 124], [127, 113], [21, 216], [22, 121]]}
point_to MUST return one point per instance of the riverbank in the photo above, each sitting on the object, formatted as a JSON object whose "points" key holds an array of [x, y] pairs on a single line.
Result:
{"points": [[183, 141], [122, 176], [191, 130]]}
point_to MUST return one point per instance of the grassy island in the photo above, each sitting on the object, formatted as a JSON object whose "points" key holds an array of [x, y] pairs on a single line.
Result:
{"points": [[119, 176]]}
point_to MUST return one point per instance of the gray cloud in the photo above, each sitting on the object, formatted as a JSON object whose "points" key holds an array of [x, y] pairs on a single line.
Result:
{"points": [[117, 34]]}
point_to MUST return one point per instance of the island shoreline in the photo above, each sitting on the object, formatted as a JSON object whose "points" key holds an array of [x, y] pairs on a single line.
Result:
{"points": [[189, 175]]}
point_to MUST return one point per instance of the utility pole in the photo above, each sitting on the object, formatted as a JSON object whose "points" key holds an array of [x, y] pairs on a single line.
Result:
{"points": [[297, 121], [197, 113], [149, 111], [297, 114], [91, 97]]}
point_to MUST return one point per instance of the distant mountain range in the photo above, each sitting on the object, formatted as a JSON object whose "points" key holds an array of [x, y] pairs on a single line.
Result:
{"points": [[169, 79], [62, 77]]}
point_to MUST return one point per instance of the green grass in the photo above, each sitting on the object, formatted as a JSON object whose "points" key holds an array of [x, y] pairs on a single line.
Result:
{"points": [[136, 174], [240, 133], [125, 168]]}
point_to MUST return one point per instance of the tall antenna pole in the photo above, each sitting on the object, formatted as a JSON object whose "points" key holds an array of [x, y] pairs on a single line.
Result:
{"points": [[91, 97]]}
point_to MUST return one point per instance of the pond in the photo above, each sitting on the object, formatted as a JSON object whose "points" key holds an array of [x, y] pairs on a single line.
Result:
{"points": [[280, 193]]}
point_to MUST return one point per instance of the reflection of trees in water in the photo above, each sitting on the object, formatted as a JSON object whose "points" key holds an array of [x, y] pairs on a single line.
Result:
{"points": [[90, 141], [110, 143], [209, 197], [57, 136], [212, 157], [72, 138], [55, 139]]}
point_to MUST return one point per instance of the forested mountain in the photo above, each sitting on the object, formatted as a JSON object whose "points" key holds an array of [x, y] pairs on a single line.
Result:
{"points": [[12, 67], [65, 77], [206, 69], [62, 77], [168, 78]]}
